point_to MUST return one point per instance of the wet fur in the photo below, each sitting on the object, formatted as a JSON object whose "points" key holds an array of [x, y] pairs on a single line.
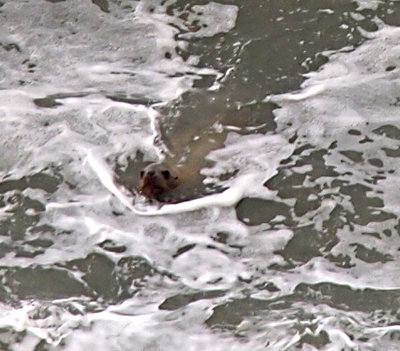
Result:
{"points": [[156, 180]]}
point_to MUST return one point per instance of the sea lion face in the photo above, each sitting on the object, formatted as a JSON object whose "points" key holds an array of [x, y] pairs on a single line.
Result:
{"points": [[156, 180]]}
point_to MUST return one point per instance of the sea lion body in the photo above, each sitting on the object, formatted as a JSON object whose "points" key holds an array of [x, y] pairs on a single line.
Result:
{"points": [[156, 180], [186, 141]]}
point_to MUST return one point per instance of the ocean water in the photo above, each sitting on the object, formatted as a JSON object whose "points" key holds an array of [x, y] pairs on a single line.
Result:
{"points": [[284, 117]]}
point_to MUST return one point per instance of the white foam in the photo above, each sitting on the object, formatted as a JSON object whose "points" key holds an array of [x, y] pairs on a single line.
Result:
{"points": [[227, 198], [305, 94], [86, 136], [254, 171], [107, 180], [215, 18], [205, 269], [360, 93]]}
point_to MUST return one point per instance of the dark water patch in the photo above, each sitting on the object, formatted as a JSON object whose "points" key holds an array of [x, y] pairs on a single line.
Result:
{"points": [[178, 301], [397, 227], [389, 131], [373, 234], [299, 149], [4, 247], [371, 255], [18, 222], [45, 232], [375, 162], [366, 140], [46, 103], [53, 100], [318, 339], [9, 337], [354, 156], [278, 42], [27, 251], [307, 243], [366, 208], [43, 345], [9, 185], [112, 281], [388, 11], [268, 286], [221, 237], [44, 181], [10, 47], [290, 183], [351, 205], [253, 211], [102, 4], [396, 102], [354, 132], [319, 167], [206, 81], [229, 315], [4, 292], [179, 132], [29, 240], [340, 260], [129, 175], [99, 274], [47, 180], [375, 179], [28, 248], [347, 298], [183, 249], [43, 283], [307, 200], [133, 273], [387, 232], [40, 242], [391, 152], [111, 246]]}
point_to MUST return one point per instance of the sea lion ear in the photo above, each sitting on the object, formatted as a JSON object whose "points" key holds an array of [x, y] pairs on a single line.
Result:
{"points": [[141, 174], [166, 174]]}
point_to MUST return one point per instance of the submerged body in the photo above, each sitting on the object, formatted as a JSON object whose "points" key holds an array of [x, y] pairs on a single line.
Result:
{"points": [[188, 142]]}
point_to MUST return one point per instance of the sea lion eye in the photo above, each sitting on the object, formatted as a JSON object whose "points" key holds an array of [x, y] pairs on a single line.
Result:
{"points": [[166, 174], [141, 174]]}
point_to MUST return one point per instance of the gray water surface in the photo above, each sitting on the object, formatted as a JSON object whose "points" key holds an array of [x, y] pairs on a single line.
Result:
{"points": [[285, 113]]}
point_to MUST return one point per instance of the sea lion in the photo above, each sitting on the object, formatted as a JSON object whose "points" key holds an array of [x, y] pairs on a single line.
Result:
{"points": [[156, 180], [190, 138], [186, 141]]}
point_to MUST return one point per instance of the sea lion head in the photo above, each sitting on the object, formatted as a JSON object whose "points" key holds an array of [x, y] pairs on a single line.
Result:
{"points": [[156, 180]]}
